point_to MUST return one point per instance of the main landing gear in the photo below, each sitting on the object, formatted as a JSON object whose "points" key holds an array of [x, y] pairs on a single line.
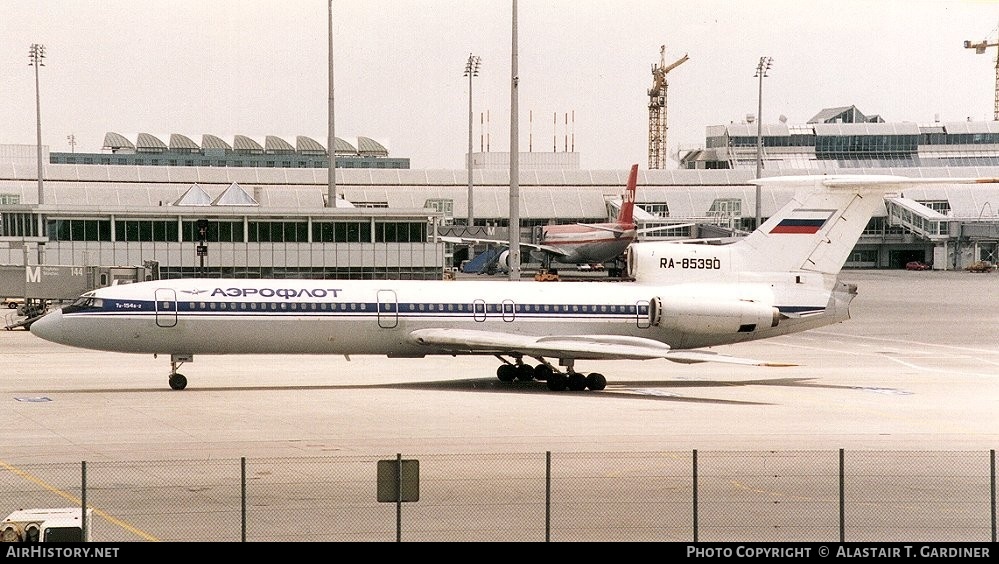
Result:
{"points": [[557, 381]]}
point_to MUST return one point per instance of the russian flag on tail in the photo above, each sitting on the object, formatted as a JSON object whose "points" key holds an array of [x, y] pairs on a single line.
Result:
{"points": [[803, 221]]}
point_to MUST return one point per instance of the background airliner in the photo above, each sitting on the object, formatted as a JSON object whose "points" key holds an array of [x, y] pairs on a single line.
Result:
{"points": [[684, 298], [574, 244]]}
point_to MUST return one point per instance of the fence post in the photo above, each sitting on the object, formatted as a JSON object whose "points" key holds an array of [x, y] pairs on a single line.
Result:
{"points": [[992, 474], [242, 497], [398, 502], [694, 473], [83, 500], [842, 499], [548, 496]]}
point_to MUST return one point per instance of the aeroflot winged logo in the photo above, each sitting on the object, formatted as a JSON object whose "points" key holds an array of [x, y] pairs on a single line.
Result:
{"points": [[286, 293], [803, 221]]}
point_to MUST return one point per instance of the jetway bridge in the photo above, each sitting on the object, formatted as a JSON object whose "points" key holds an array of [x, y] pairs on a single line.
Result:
{"points": [[43, 284], [978, 238]]}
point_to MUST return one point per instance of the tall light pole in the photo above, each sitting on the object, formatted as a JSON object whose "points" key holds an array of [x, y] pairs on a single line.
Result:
{"points": [[761, 72], [471, 70], [36, 58], [514, 252], [331, 195]]}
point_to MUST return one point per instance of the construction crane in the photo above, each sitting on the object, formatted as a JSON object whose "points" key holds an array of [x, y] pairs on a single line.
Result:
{"points": [[979, 49], [657, 110]]}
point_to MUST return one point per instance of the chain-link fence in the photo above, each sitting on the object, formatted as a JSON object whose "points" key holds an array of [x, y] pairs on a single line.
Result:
{"points": [[706, 496]]}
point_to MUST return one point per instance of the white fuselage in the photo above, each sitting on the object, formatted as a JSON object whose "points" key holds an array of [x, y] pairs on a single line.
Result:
{"points": [[584, 244], [207, 316]]}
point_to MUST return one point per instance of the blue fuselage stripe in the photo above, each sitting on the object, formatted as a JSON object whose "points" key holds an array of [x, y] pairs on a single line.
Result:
{"points": [[131, 308]]}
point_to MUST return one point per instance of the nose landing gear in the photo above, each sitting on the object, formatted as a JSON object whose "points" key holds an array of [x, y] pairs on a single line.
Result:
{"points": [[177, 380]]}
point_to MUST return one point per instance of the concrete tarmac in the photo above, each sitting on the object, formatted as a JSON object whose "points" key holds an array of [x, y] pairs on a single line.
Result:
{"points": [[916, 368]]}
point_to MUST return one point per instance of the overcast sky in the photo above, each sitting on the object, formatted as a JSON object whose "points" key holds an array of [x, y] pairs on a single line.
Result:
{"points": [[257, 68]]}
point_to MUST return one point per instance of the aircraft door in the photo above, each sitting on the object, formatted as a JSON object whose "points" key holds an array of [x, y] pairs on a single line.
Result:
{"points": [[479, 310], [166, 307], [643, 314], [509, 310], [388, 309]]}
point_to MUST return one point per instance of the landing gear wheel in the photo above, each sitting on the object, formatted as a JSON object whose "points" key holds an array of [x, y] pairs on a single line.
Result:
{"points": [[596, 381], [525, 372], [543, 372], [557, 382], [178, 381], [577, 382], [506, 372]]}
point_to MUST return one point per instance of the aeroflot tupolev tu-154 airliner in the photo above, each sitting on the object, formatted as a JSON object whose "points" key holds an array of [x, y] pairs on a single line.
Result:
{"points": [[684, 298]]}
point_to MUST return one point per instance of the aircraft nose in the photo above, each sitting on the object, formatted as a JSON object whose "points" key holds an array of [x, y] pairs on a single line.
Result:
{"points": [[49, 327]]}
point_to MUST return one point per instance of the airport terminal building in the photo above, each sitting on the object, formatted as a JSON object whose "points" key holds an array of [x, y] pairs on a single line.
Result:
{"points": [[212, 215], [845, 138]]}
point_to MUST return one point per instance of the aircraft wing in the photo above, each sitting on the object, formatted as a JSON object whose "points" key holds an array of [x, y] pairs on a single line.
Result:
{"points": [[473, 240], [590, 347]]}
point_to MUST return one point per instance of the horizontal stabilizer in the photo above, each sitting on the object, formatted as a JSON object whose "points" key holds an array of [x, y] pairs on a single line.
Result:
{"points": [[604, 227]]}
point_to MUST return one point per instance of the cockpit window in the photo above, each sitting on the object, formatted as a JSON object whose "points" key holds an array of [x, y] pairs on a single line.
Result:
{"points": [[84, 302]]}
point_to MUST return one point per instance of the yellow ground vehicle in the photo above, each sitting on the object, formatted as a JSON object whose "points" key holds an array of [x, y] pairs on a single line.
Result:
{"points": [[546, 275]]}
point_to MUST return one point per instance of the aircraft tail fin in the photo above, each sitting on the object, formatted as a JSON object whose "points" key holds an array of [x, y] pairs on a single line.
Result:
{"points": [[819, 228], [813, 233], [627, 213]]}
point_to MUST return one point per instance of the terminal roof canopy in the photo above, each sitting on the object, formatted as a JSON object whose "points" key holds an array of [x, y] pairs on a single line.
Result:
{"points": [[148, 143], [117, 142], [213, 145], [213, 142], [309, 146], [245, 145], [182, 143], [370, 148], [275, 145], [344, 148]]}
